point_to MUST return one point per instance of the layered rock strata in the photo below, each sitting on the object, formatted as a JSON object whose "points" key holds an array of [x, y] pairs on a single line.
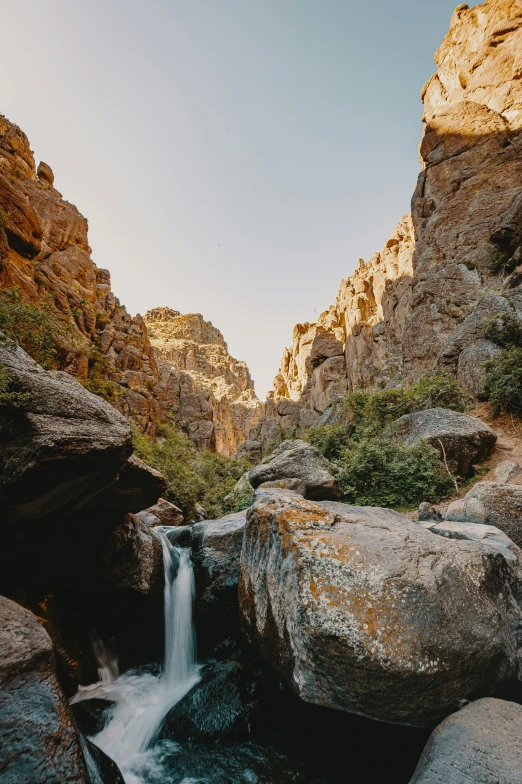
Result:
{"points": [[211, 391], [423, 303], [45, 256]]}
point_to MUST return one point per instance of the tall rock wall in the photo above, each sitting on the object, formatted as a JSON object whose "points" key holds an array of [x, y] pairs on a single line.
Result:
{"points": [[216, 401], [46, 258], [421, 304]]}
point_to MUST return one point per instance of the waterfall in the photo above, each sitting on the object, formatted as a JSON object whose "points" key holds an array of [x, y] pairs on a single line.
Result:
{"points": [[142, 699]]}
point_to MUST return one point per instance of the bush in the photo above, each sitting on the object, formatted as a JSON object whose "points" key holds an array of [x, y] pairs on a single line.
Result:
{"points": [[363, 414], [380, 472], [8, 396], [97, 381], [193, 477], [504, 381], [504, 330], [37, 327]]}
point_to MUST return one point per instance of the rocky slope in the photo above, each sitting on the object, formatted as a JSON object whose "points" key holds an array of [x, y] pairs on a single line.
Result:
{"points": [[45, 256], [216, 403], [422, 303]]}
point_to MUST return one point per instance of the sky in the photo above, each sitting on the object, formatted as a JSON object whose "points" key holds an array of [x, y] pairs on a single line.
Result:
{"points": [[234, 158]]}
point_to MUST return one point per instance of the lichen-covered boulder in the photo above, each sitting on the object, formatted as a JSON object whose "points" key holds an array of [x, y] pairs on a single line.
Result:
{"points": [[362, 610], [38, 739], [506, 471], [161, 513], [298, 460], [462, 439], [491, 503], [480, 744]]}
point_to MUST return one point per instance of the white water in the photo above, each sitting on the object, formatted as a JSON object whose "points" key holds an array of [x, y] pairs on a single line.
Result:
{"points": [[142, 698]]}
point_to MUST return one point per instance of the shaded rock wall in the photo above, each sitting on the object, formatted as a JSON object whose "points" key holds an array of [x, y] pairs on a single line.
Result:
{"points": [[45, 254], [422, 303]]}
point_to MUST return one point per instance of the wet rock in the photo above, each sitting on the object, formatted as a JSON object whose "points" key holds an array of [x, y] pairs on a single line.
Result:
{"points": [[91, 715], [298, 460], [490, 503], [162, 513], [133, 557], [505, 472], [216, 552], [219, 709], [61, 447], [38, 739], [100, 767], [479, 744], [427, 512], [463, 439], [362, 610]]}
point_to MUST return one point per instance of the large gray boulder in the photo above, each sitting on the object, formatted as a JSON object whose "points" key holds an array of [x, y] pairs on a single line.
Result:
{"points": [[216, 552], [60, 448], [161, 513], [481, 744], [298, 460], [38, 739], [491, 503], [362, 610], [464, 440]]}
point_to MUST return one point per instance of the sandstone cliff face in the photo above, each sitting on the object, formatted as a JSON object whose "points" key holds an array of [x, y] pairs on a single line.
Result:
{"points": [[212, 392], [422, 303], [45, 255]]}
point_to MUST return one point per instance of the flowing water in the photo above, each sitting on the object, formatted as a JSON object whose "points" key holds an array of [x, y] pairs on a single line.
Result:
{"points": [[142, 699]]}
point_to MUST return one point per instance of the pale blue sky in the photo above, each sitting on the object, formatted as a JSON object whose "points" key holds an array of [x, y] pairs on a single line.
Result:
{"points": [[234, 157]]}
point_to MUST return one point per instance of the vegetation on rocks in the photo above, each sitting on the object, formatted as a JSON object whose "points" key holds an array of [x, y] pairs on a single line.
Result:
{"points": [[503, 384], [193, 477], [31, 325], [374, 469]]}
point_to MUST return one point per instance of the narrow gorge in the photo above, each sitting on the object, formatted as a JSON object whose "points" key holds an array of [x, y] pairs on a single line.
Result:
{"points": [[197, 587]]}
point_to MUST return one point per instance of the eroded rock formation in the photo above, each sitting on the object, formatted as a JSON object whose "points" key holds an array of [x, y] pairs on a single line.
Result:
{"points": [[422, 304], [212, 392], [45, 256]]}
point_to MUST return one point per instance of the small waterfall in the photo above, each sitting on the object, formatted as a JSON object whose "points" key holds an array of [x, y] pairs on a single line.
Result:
{"points": [[142, 698]]}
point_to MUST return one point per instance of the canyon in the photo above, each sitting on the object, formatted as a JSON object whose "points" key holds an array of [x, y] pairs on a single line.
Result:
{"points": [[302, 636]]}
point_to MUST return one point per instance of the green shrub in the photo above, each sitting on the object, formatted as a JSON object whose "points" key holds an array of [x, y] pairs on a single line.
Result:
{"points": [[97, 381], [381, 472], [504, 330], [193, 477], [37, 327], [8, 396], [362, 414], [504, 381]]}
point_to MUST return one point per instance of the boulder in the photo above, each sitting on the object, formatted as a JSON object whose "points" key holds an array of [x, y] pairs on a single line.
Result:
{"points": [[427, 512], [464, 440], [479, 744], [133, 557], [60, 448], [38, 738], [138, 487], [298, 460], [216, 552], [362, 610], [473, 532], [162, 513], [218, 709], [506, 471], [297, 485], [490, 503]]}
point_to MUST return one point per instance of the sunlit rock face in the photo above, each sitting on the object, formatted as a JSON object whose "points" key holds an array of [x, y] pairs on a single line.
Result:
{"points": [[45, 256], [422, 303], [212, 392]]}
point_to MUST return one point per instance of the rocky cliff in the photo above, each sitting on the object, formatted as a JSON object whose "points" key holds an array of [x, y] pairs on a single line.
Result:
{"points": [[45, 258], [421, 304], [216, 401]]}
